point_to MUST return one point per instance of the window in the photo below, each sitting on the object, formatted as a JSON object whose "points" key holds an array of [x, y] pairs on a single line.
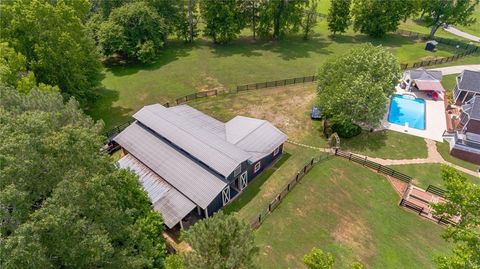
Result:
{"points": [[257, 167], [276, 151], [237, 171]]}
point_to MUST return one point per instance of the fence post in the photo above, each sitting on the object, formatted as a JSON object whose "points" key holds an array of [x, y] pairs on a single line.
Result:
{"points": [[365, 161], [350, 157]]}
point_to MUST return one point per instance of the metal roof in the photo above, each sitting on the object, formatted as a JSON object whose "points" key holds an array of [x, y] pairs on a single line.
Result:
{"points": [[472, 108], [423, 74], [429, 85], [178, 169], [200, 120], [206, 147], [258, 137], [470, 80], [165, 199]]}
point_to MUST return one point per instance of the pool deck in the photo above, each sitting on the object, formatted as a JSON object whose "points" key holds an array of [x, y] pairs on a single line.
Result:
{"points": [[435, 119]]}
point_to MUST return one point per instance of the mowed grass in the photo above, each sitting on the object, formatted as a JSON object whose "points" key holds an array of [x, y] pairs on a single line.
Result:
{"points": [[473, 29], [386, 145], [352, 212], [428, 174]]}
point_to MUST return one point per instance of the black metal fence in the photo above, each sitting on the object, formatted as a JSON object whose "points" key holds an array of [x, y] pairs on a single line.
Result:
{"points": [[117, 129], [467, 48], [286, 189], [276, 83], [373, 165], [436, 190]]}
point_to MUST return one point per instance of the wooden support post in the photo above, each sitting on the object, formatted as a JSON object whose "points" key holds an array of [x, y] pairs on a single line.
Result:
{"points": [[181, 225], [206, 212]]}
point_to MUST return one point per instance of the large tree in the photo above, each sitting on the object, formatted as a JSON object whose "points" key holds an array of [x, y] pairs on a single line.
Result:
{"points": [[276, 18], [52, 37], [220, 242], [339, 16], [355, 87], [378, 17], [310, 19], [187, 20], [463, 199], [455, 12], [63, 204], [135, 31], [223, 19]]}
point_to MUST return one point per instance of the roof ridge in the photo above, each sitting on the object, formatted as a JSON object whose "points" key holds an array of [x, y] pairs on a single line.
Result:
{"points": [[264, 121], [196, 138]]}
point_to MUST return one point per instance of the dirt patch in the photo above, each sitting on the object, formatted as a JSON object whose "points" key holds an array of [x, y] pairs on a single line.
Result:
{"points": [[210, 83], [354, 233]]}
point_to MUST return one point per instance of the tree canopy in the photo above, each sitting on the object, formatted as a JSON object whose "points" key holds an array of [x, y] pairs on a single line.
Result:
{"points": [[54, 41], [339, 16], [220, 242], [134, 30], [378, 17], [355, 87], [455, 12], [277, 18], [63, 204], [223, 19], [317, 259], [463, 199]]}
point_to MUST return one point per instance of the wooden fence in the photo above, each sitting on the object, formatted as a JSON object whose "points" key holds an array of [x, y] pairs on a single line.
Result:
{"points": [[373, 165], [286, 189]]}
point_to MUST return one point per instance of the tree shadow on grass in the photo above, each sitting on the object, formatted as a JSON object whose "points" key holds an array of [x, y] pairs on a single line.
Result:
{"points": [[391, 40], [103, 109], [288, 48], [172, 52], [366, 141], [255, 186]]}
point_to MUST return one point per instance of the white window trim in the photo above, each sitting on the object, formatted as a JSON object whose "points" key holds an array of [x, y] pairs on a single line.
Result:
{"points": [[276, 151], [257, 166]]}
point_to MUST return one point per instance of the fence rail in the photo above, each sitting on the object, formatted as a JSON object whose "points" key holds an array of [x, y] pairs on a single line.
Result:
{"points": [[436, 190], [117, 129], [257, 221], [276, 83], [373, 165]]}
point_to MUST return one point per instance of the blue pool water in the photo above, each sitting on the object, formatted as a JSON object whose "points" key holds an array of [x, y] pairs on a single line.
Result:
{"points": [[407, 109]]}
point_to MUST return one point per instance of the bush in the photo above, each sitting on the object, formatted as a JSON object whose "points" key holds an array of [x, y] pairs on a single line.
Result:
{"points": [[346, 129]]}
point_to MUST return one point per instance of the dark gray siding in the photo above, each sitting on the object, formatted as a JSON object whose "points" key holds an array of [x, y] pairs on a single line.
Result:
{"points": [[265, 162]]}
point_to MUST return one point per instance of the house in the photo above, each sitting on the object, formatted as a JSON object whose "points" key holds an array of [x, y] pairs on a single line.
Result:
{"points": [[466, 138], [190, 164], [468, 85], [464, 133]]}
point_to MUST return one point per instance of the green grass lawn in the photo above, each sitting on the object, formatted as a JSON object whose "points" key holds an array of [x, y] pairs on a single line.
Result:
{"points": [[443, 149], [387, 145], [349, 211], [427, 174], [473, 29]]}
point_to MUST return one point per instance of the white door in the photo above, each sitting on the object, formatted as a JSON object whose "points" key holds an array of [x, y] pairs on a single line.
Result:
{"points": [[243, 180]]}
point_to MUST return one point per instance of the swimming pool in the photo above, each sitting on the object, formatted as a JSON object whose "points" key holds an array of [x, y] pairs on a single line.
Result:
{"points": [[406, 109]]}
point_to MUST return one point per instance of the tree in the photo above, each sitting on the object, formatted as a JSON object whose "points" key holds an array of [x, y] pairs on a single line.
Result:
{"points": [[250, 12], [317, 259], [355, 87], [339, 16], [174, 261], [276, 18], [456, 12], [62, 203], [134, 30], [220, 242], [54, 41], [310, 19], [186, 27], [462, 199], [377, 17], [223, 19]]}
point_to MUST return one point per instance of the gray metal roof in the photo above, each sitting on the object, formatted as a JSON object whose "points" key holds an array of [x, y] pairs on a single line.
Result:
{"points": [[181, 171], [422, 74], [470, 80], [165, 199], [258, 137], [206, 147], [199, 120], [472, 108]]}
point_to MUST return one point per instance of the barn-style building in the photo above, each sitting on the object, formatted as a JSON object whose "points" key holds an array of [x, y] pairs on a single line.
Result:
{"points": [[190, 164]]}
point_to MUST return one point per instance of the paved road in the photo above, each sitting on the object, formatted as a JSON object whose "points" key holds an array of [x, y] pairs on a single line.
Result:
{"points": [[457, 32], [457, 69]]}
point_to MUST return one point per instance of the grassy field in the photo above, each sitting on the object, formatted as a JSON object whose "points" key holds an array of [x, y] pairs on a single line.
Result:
{"points": [[351, 212], [473, 29], [427, 174], [185, 68]]}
